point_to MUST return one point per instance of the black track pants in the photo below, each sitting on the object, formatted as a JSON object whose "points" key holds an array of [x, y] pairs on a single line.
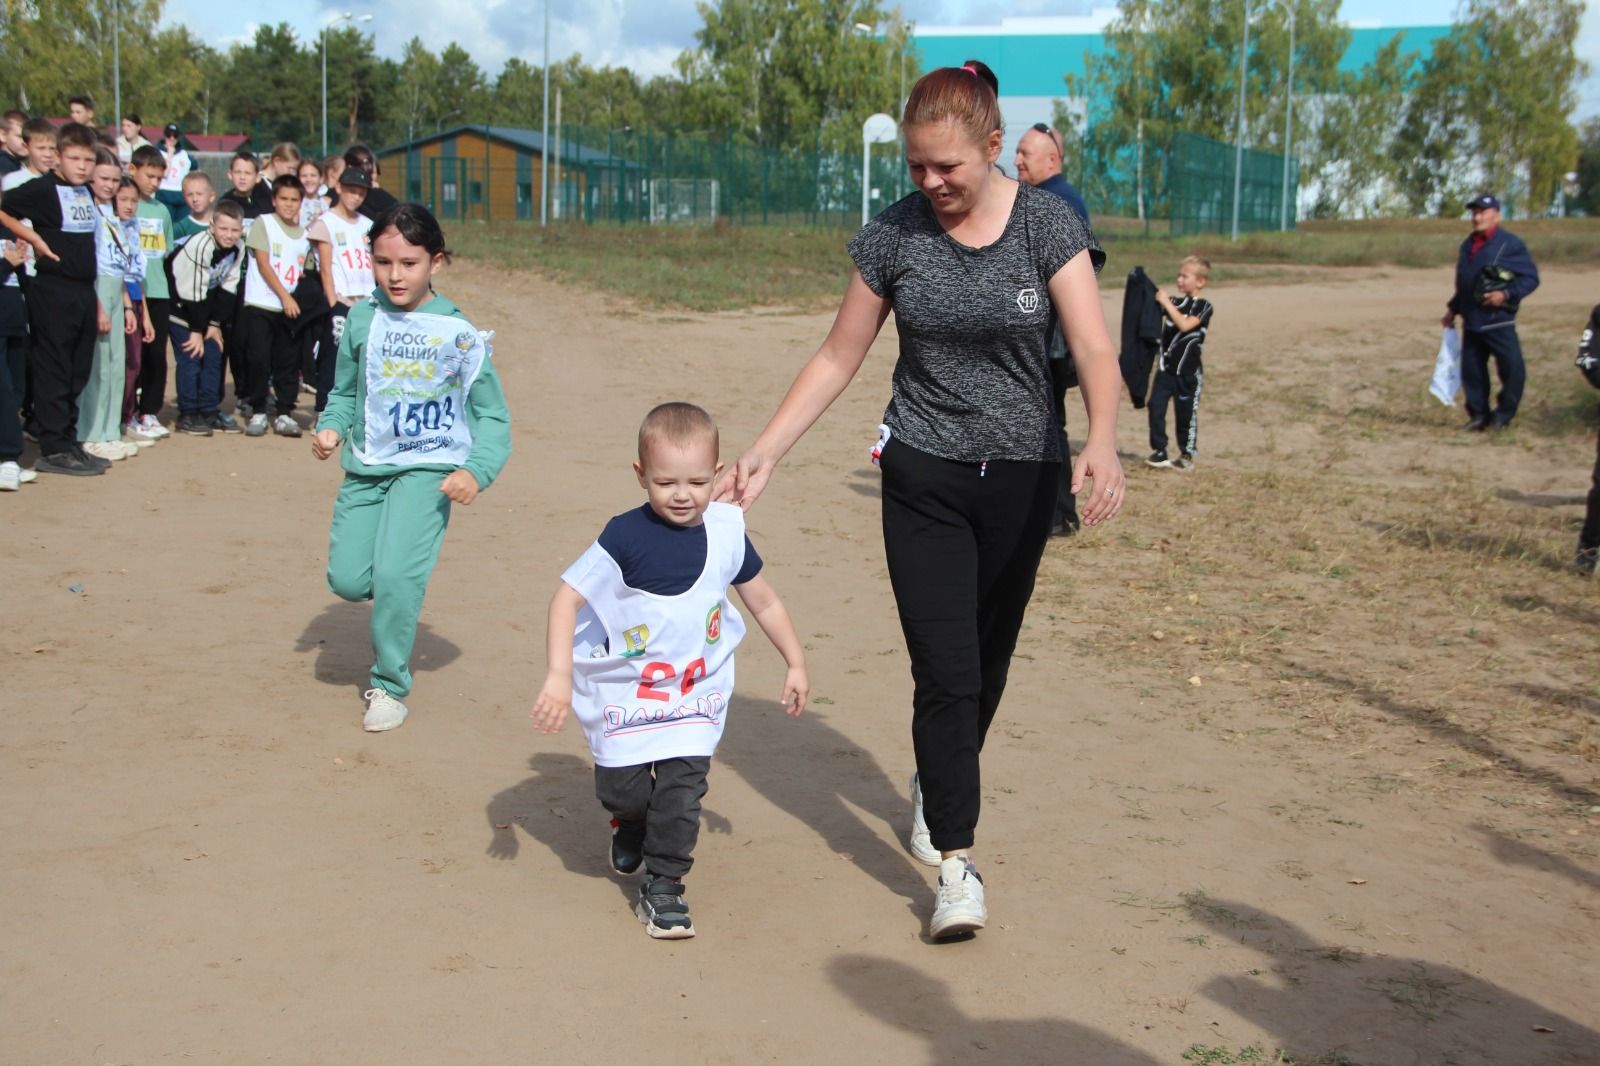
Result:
{"points": [[963, 542], [64, 325]]}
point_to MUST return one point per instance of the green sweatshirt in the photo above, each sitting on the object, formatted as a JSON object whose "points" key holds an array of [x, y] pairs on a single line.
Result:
{"points": [[155, 239], [486, 404]]}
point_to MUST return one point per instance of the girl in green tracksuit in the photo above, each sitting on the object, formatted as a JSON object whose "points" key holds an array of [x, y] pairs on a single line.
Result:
{"points": [[418, 405]]}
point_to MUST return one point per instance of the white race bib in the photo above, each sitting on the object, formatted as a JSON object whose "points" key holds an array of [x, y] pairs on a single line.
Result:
{"points": [[419, 370], [77, 209]]}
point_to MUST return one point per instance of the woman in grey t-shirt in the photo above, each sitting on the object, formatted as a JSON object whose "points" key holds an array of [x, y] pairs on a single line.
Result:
{"points": [[976, 268]]}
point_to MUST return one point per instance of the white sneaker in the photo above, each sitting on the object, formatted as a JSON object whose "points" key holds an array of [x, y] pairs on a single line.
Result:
{"points": [[383, 711], [138, 442], [921, 842], [152, 424], [10, 477], [257, 426], [137, 429], [26, 476], [957, 900], [105, 449], [129, 450]]}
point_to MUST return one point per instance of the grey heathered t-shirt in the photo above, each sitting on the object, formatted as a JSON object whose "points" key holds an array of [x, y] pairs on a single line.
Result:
{"points": [[973, 379]]}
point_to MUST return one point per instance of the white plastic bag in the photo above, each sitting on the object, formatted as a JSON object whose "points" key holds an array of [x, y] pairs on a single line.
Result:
{"points": [[1447, 369]]}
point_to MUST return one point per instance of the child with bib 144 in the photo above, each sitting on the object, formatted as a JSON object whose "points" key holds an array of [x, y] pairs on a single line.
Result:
{"points": [[641, 646], [418, 405]]}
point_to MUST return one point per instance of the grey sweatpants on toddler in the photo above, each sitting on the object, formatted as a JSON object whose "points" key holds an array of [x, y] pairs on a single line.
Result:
{"points": [[665, 798]]}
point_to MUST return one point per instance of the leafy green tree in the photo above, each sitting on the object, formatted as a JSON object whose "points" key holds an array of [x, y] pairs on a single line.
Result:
{"points": [[794, 72], [1491, 108], [1588, 199]]}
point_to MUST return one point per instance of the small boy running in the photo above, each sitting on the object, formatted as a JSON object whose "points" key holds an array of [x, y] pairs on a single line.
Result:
{"points": [[1178, 373], [641, 644]]}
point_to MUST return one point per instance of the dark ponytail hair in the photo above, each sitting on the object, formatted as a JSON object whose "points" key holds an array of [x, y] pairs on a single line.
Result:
{"points": [[416, 225], [987, 76], [965, 96]]}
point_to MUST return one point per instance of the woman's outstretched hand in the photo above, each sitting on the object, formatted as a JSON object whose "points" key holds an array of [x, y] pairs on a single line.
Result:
{"points": [[743, 484], [1099, 465]]}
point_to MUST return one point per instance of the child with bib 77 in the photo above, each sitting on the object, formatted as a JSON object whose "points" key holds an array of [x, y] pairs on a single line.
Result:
{"points": [[418, 405]]}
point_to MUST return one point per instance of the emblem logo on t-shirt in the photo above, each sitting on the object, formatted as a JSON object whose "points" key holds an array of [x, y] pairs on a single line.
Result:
{"points": [[1028, 301], [714, 625], [635, 639]]}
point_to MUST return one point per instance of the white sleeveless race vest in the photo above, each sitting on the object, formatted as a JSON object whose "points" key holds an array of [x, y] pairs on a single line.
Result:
{"points": [[288, 258], [419, 369], [652, 675], [349, 254]]}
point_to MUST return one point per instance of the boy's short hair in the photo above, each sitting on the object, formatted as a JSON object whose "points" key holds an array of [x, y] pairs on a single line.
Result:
{"points": [[36, 129], [245, 154], [1201, 264], [286, 181], [679, 424], [228, 209], [147, 155], [200, 177], [82, 100], [15, 118], [76, 135]]}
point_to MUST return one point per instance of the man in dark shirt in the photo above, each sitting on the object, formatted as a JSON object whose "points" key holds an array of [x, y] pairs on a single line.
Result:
{"points": [[1494, 274], [1039, 164], [63, 311]]}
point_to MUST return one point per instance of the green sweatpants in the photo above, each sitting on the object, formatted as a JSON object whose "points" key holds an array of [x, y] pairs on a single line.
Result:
{"points": [[384, 542], [100, 402]]}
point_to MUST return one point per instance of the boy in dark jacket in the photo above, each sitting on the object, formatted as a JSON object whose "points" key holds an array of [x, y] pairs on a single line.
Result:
{"points": [[203, 275], [1494, 274], [1589, 537]]}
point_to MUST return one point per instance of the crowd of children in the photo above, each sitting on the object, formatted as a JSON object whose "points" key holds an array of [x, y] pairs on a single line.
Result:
{"points": [[114, 249]]}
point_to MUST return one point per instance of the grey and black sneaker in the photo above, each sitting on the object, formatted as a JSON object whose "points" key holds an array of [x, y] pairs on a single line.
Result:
{"points": [[1584, 562], [285, 426], [75, 463], [257, 426], [1183, 462], [194, 425], [93, 460], [222, 423], [1158, 459], [662, 910], [627, 846]]}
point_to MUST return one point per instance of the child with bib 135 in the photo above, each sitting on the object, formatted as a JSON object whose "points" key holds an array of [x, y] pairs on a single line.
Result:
{"points": [[641, 644], [418, 405]]}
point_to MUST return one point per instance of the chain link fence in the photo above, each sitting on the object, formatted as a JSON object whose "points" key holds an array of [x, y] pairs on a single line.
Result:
{"points": [[648, 177]]}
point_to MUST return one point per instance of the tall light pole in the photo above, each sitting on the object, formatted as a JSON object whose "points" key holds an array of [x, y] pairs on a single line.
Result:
{"points": [[1238, 138], [116, 62], [343, 16], [544, 139], [1288, 131]]}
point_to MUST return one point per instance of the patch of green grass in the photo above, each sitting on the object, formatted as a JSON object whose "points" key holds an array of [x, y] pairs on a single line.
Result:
{"points": [[711, 268], [727, 267]]}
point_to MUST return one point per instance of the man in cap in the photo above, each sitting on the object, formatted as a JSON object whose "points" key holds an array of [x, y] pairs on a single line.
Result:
{"points": [[1494, 274]]}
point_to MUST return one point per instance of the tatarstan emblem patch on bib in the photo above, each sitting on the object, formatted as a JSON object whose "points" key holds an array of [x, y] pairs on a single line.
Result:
{"points": [[714, 625]]}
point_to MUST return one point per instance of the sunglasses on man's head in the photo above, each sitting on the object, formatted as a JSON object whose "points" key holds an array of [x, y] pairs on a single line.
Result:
{"points": [[1040, 127]]}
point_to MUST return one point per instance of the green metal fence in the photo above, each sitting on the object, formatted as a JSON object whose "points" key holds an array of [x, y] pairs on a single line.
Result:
{"points": [[1200, 187], [652, 177]]}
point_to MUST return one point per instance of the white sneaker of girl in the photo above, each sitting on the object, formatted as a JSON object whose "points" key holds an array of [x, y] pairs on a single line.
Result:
{"points": [[152, 425], [384, 712]]}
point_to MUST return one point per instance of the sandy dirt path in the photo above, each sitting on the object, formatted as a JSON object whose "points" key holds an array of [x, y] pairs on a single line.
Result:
{"points": [[206, 860]]}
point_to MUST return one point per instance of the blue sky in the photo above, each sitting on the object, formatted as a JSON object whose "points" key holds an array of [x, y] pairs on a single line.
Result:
{"points": [[647, 34]]}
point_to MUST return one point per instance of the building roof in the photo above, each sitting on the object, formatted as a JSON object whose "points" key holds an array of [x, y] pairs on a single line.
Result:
{"points": [[517, 137]]}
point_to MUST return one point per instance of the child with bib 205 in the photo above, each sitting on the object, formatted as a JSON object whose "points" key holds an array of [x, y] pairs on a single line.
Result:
{"points": [[418, 405], [641, 644]]}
